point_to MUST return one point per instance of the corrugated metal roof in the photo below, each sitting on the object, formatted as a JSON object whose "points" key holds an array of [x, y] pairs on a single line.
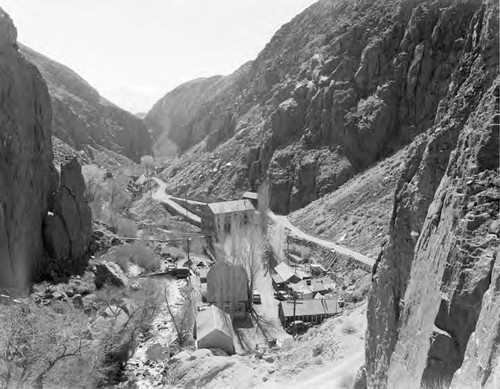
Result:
{"points": [[318, 286], [301, 287], [250, 195], [231, 206], [310, 307], [285, 271], [212, 319], [277, 278]]}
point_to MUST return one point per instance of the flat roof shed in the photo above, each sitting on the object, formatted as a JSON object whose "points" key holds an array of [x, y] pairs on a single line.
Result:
{"points": [[313, 311]]}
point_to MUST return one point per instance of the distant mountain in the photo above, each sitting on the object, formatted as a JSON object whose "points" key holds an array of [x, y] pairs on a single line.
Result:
{"points": [[81, 117], [338, 88]]}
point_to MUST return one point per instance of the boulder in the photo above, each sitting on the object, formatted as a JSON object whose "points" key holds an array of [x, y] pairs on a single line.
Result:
{"points": [[109, 272]]}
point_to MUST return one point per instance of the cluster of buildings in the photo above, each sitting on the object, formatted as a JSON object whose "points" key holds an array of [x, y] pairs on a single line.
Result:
{"points": [[224, 286], [306, 298]]}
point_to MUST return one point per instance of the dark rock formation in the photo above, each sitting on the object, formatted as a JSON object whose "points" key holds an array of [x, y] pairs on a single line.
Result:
{"points": [[109, 272], [26, 175], [345, 83], [35, 213], [84, 118], [68, 223], [433, 284]]}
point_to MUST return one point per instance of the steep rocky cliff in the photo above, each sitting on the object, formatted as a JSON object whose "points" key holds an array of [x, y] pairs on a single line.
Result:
{"points": [[433, 312], [341, 86], [81, 117], [28, 180]]}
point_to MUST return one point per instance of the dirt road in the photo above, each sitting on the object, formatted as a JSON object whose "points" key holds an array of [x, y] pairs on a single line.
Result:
{"points": [[161, 195], [284, 222]]}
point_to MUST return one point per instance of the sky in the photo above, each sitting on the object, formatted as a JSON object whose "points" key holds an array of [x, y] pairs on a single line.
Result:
{"points": [[133, 52]]}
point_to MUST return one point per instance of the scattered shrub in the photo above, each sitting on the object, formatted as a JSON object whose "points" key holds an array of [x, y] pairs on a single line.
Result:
{"points": [[137, 253], [349, 328], [301, 251], [174, 252], [40, 345], [320, 229]]}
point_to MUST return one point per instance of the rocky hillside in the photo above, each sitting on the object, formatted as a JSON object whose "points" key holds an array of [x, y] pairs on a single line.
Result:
{"points": [[42, 218], [433, 312], [83, 118], [341, 86]]}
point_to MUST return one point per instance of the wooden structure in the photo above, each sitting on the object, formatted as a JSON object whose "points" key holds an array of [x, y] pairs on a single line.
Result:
{"points": [[301, 290], [227, 288], [253, 197], [311, 311], [218, 218], [286, 273], [214, 329]]}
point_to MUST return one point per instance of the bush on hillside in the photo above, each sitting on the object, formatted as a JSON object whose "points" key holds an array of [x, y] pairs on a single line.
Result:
{"points": [[41, 345], [174, 252], [137, 253]]}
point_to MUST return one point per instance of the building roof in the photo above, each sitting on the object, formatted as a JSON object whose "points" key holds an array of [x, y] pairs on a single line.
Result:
{"points": [[277, 278], [231, 206], [250, 195], [227, 283], [302, 274], [310, 307], [212, 319], [318, 286], [301, 288], [203, 272], [285, 271]]}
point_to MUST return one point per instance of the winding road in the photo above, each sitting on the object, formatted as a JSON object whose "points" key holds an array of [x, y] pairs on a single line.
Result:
{"points": [[161, 195], [283, 220]]}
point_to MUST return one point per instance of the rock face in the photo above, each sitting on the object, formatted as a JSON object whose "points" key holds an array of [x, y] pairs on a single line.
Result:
{"points": [[169, 117], [26, 176], [435, 285], [344, 84], [32, 205], [83, 118], [68, 223]]}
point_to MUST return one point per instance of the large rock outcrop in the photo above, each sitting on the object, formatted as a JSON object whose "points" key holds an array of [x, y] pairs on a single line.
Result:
{"points": [[83, 118], [67, 226], [26, 175], [345, 83], [435, 284], [30, 197]]}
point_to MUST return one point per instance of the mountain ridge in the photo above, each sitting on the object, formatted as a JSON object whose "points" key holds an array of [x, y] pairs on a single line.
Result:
{"points": [[83, 118]]}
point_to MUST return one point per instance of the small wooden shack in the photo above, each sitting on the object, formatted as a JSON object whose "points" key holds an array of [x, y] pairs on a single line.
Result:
{"points": [[253, 197], [286, 273]]}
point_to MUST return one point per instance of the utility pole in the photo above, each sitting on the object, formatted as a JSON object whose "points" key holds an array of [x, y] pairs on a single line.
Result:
{"points": [[187, 245], [287, 249]]}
